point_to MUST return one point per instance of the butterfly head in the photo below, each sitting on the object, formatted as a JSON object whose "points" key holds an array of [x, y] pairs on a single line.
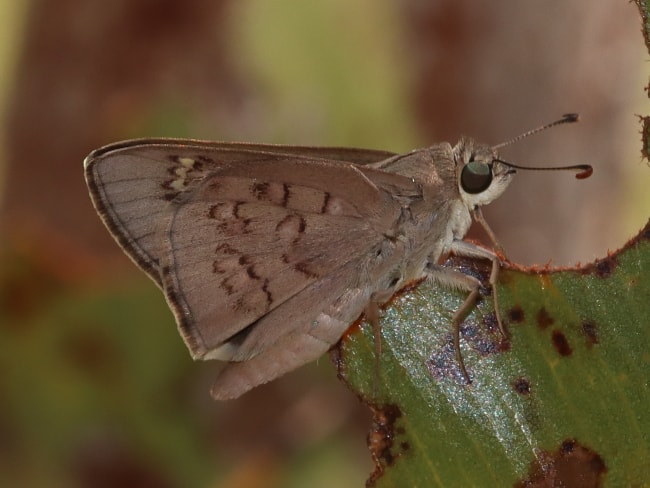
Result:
{"points": [[481, 175]]}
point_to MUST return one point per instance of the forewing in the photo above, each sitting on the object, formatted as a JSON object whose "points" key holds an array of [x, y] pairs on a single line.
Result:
{"points": [[265, 254], [136, 185]]}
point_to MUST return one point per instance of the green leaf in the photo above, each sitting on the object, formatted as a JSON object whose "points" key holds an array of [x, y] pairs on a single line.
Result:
{"points": [[565, 397]]}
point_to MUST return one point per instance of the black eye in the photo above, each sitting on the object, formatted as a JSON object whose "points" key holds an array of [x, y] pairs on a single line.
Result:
{"points": [[475, 177]]}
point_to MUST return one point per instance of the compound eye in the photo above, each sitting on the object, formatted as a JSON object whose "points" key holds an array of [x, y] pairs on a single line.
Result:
{"points": [[475, 177]]}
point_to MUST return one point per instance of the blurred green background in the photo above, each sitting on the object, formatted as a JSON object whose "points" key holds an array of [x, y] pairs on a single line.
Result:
{"points": [[96, 386]]}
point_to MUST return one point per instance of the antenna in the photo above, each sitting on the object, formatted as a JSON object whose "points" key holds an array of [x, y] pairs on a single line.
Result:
{"points": [[584, 170], [566, 119]]}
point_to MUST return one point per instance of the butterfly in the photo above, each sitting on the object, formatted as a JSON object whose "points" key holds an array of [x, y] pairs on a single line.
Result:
{"points": [[266, 254]]}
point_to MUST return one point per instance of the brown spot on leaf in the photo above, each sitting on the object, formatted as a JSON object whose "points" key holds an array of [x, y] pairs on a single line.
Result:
{"points": [[544, 320], [561, 343], [516, 315], [443, 364], [521, 385], [571, 465], [606, 267], [591, 332], [381, 439], [485, 338]]}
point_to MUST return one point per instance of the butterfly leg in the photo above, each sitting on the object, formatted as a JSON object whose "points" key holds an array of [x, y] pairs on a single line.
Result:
{"points": [[456, 280], [467, 249], [478, 217]]}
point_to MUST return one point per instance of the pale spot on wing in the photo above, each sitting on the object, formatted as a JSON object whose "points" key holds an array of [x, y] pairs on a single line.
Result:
{"points": [[185, 166], [290, 227]]}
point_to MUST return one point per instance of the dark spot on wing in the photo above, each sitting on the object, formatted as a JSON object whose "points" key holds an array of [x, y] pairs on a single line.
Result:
{"points": [[269, 296], [226, 249], [204, 159], [286, 193], [561, 343], [251, 273], [260, 190], [227, 287], [169, 192], [235, 209], [213, 211], [326, 200], [240, 305], [284, 222], [303, 267]]}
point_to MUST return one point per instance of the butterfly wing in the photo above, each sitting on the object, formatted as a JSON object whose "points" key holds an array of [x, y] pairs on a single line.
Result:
{"points": [[263, 255], [133, 183]]}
